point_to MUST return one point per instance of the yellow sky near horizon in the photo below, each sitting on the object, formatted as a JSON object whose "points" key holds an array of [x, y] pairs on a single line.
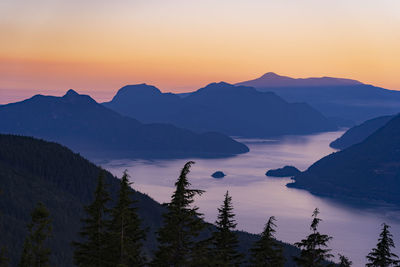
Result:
{"points": [[181, 45]]}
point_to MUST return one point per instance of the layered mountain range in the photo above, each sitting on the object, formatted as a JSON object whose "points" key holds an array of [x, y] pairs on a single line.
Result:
{"points": [[82, 124], [222, 107], [347, 101]]}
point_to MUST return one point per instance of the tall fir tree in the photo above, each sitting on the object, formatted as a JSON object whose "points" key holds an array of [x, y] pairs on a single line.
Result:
{"points": [[92, 250], [182, 226], [382, 255], [344, 261], [314, 251], [125, 236], [36, 253], [267, 252], [225, 250]]}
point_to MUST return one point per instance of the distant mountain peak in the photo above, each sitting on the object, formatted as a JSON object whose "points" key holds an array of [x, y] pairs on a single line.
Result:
{"points": [[219, 84], [270, 75], [72, 96], [136, 90], [222, 87], [271, 79], [140, 86], [71, 92]]}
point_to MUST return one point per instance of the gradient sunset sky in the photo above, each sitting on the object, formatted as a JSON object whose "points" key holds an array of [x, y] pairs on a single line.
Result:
{"points": [[97, 46]]}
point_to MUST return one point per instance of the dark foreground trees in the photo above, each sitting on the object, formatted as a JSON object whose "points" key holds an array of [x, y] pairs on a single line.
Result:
{"points": [[314, 251], [125, 236], [113, 238], [110, 237], [36, 252], [382, 256], [267, 251], [344, 261], [182, 225], [91, 251], [225, 243]]}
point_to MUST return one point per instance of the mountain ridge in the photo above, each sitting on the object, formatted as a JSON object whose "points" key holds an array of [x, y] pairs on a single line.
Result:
{"points": [[368, 170], [226, 108], [271, 79], [360, 132], [347, 101], [81, 123]]}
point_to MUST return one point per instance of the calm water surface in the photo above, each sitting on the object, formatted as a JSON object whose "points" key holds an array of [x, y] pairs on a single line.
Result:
{"points": [[256, 196]]}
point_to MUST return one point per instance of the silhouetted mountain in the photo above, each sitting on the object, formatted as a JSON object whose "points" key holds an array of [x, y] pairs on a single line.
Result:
{"points": [[368, 170], [272, 79], [77, 121], [342, 99], [33, 170], [222, 107], [146, 101], [359, 133], [287, 171]]}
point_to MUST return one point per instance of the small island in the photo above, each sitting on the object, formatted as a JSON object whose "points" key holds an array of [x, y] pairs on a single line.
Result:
{"points": [[287, 171], [218, 174]]}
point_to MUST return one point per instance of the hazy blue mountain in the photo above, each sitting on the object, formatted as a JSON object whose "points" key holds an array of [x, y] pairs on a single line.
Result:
{"points": [[33, 170], [360, 132], [367, 170], [343, 99], [271, 79], [79, 122], [222, 107], [146, 101]]}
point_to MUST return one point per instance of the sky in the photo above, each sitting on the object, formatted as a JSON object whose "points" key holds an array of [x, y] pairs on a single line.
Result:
{"points": [[98, 46]]}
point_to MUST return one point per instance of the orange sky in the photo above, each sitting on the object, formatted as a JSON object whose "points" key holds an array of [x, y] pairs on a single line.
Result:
{"points": [[180, 45]]}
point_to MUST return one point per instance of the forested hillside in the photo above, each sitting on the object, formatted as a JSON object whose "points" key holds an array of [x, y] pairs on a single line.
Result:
{"points": [[369, 170], [33, 170]]}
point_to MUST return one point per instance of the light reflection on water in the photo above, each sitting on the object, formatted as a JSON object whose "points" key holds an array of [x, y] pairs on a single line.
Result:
{"points": [[256, 197]]}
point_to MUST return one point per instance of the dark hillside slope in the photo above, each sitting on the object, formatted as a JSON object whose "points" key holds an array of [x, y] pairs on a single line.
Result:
{"points": [[369, 170], [33, 170], [359, 133]]}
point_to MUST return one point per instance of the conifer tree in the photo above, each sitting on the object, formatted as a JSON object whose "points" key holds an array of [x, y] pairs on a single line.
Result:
{"points": [[91, 252], [182, 225], [267, 251], [314, 249], [36, 253], [381, 256], [224, 239], [344, 261], [125, 236]]}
